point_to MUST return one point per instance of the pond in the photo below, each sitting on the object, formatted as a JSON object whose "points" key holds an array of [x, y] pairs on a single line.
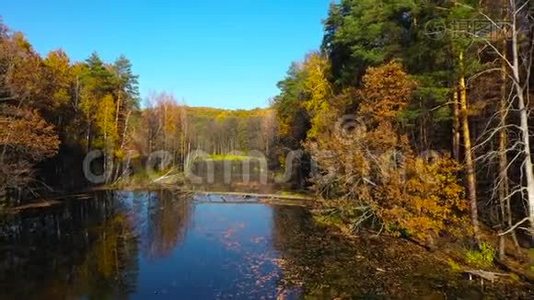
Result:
{"points": [[160, 245]]}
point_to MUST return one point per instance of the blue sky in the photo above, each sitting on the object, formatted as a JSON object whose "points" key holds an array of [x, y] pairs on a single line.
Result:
{"points": [[220, 53]]}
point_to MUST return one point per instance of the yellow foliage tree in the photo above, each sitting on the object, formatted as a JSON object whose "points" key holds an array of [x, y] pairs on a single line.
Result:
{"points": [[105, 122], [316, 70], [369, 165]]}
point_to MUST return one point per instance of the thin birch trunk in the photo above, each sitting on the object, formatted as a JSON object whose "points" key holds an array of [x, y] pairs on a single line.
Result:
{"points": [[528, 171], [468, 156]]}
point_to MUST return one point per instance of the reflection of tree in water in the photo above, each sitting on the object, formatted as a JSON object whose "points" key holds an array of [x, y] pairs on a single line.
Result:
{"points": [[168, 219], [84, 249], [111, 262], [326, 265]]}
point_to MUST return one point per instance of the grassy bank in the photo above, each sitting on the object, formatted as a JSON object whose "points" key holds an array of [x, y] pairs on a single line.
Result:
{"points": [[171, 178], [230, 157]]}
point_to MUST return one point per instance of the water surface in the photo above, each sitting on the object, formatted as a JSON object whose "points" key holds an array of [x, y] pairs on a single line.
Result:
{"points": [[160, 245]]}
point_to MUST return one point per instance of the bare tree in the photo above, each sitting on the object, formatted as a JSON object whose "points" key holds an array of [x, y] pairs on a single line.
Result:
{"points": [[516, 58]]}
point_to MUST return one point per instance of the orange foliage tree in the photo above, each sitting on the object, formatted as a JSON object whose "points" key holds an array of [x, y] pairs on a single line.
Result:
{"points": [[380, 176], [25, 139]]}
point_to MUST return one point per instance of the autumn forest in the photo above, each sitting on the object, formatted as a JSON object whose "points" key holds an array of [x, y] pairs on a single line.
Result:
{"points": [[411, 120]]}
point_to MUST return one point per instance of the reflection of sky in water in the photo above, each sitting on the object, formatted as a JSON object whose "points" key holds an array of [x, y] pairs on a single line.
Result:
{"points": [[226, 252], [143, 245]]}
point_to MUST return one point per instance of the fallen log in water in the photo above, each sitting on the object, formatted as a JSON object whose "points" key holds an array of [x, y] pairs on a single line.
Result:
{"points": [[48, 202], [256, 195], [42, 204]]}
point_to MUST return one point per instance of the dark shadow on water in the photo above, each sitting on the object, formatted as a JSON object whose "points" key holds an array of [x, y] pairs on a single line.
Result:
{"points": [[82, 248]]}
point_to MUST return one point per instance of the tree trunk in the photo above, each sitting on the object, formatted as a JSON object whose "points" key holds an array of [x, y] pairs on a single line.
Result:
{"points": [[504, 187], [523, 115], [88, 137], [125, 130], [455, 126], [469, 163], [527, 165], [117, 112]]}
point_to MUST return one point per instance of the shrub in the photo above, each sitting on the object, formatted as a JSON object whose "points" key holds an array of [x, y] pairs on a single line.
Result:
{"points": [[371, 165], [482, 257]]}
